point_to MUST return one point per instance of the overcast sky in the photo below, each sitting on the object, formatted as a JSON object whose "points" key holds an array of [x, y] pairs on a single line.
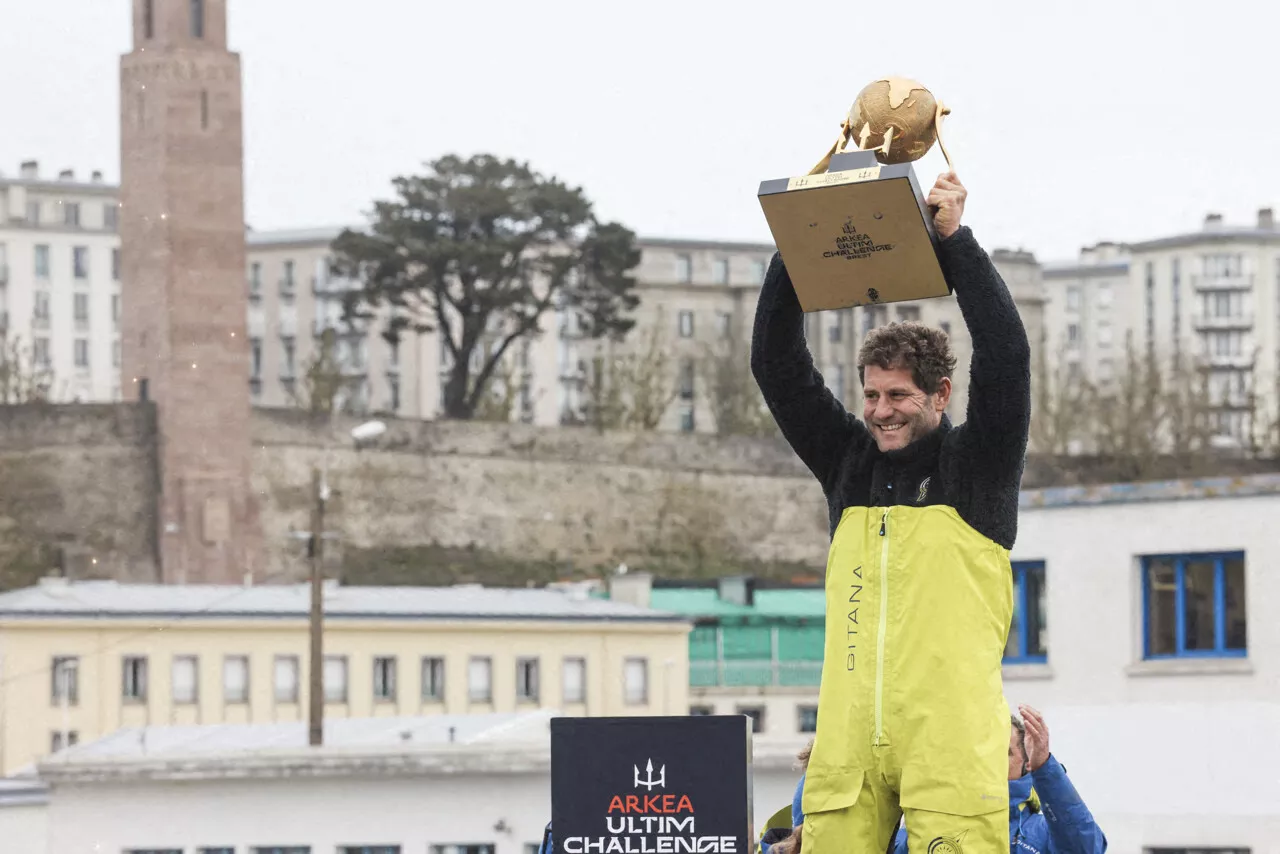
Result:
{"points": [[1071, 123]]}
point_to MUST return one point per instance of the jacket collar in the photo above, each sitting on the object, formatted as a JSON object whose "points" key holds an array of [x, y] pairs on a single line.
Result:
{"points": [[924, 448]]}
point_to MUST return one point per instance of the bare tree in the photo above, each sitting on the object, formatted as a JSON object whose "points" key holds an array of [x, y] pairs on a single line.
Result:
{"points": [[21, 379], [737, 407], [324, 384], [631, 385]]}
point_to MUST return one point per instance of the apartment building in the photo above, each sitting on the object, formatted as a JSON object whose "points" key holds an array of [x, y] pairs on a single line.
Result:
{"points": [[84, 659], [60, 281], [1208, 299]]}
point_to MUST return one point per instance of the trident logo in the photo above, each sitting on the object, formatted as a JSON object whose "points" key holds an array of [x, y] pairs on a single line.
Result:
{"points": [[649, 782]]}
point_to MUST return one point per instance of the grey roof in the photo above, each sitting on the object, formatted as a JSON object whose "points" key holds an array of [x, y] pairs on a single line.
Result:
{"points": [[110, 599], [22, 791], [159, 742], [1186, 489], [1226, 234], [61, 185], [1074, 269]]}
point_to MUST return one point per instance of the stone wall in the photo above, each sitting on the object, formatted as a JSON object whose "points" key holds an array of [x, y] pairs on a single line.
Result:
{"points": [[563, 498], [77, 491]]}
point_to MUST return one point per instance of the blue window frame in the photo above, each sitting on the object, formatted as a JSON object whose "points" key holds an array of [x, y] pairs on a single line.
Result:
{"points": [[1026, 644], [1193, 606]]}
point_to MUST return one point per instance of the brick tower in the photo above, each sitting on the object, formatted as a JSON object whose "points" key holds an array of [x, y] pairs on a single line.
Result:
{"points": [[184, 300]]}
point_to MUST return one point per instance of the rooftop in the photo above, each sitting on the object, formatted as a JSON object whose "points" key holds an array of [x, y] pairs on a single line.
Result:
{"points": [[57, 597], [413, 746], [807, 603]]}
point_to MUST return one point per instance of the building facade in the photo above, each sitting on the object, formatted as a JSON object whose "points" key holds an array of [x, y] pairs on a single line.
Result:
{"points": [[60, 282], [1203, 306], [84, 659]]}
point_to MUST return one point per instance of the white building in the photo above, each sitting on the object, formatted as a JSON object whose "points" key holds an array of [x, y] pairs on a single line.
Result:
{"points": [[471, 784], [60, 280], [1209, 298]]}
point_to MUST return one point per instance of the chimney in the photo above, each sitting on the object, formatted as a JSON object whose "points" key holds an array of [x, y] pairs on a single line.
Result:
{"points": [[67, 175], [1266, 219], [631, 588], [97, 176], [1213, 222], [30, 170]]}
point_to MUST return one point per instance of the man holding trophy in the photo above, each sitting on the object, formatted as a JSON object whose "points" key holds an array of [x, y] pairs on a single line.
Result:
{"points": [[923, 515]]}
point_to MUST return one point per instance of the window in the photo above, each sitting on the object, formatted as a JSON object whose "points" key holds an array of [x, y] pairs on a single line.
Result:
{"points": [[1106, 371], [255, 278], [369, 849], [480, 680], [835, 331], [909, 313], [635, 681], [285, 678], [686, 324], [527, 680], [720, 271], [384, 679], [276, 849], [724, 324], [335, 679], [40, 352], [757, 271], [756, 713], [115, 310], [807, 718], [701, 711], [1149, 297], [115, 354], [204, 109], [1073, 336], [433, 679], [111, 219], [687, 423], [1073, 298], [80, 261], [684, 268], [235, 679], [134, 688], [148, 18], [1106, 335], [82, 353], [66, 680], [60, 739], [286, 284], [945, 327], [838, 381], [287, 344], [185, 679], [393, 389], [1194, 605], [255, 354], [462, 849], [197, 19], [226, 849], [574, 680], [71, 213], [686, 379], [33, 213], [42, 261], [115, 264], [1026, 642], [81, 310]]}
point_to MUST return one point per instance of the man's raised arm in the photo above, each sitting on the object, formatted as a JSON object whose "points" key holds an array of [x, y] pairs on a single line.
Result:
{"points": [[816, 425]]}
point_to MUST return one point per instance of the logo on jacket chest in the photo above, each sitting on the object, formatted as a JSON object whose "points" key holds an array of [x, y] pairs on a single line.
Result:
{"points": [[851, 620], [923, 492]]}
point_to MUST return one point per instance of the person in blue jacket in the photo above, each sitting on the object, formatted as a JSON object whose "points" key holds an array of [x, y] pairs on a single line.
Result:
{"points": [[1046, 813]]}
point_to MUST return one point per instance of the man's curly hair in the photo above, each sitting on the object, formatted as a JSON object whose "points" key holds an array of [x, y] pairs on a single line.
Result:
{"points": [[924, 351]]}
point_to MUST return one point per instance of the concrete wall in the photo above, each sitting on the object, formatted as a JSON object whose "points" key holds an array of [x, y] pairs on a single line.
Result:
{"points": [[25, 828]]}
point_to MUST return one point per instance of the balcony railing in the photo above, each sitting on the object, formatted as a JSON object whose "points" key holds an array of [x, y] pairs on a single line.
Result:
{"points": [[288, 288], [1241, 282], [1224, 360], [1244, 320], [4, 274], [333, 286], [762, 673]]}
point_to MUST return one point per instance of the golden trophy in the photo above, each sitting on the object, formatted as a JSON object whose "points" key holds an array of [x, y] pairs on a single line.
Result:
{"points": [[856, 230]]}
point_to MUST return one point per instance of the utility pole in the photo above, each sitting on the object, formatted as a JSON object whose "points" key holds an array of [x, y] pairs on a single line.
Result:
{"points": [[315, 551]]}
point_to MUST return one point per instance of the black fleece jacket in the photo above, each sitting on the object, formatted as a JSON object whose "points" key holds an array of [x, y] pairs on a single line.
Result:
{"points": [[975, 467]]}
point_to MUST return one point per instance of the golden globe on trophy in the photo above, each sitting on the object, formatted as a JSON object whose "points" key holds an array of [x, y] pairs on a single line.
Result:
{"points": [[856, 230]]}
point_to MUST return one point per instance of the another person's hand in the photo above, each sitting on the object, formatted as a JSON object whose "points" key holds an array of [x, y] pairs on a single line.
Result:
{"points": [[1037, 737], [946, 200]]}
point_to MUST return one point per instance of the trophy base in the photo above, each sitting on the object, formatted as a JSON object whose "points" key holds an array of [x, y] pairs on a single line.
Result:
{"points": [[860, 234]]}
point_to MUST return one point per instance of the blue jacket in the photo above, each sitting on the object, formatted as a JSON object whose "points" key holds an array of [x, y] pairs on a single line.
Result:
{"points": [[1051, 820]]}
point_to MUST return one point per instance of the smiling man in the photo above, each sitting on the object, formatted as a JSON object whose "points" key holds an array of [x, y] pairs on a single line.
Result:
{"points": [[911, 714]]}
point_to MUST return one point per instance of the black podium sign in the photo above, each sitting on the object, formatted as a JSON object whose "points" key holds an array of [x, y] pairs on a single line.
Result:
{"points": [[667, 785]]}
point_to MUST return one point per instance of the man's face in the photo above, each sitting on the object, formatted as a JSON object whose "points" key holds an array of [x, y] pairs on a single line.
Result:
{"points": [[896, 410], [1017, 756]]}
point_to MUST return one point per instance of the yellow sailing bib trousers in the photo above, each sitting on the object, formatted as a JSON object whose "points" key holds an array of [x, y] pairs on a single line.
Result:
{"points": [[911, 711]]}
